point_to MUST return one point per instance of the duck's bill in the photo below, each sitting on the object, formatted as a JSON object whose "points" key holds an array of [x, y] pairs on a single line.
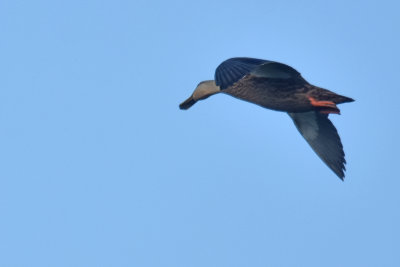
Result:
{"points": [[187, 103]]}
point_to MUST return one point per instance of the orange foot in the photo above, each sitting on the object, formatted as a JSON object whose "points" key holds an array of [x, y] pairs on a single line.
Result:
{"points": [[325, 107]]}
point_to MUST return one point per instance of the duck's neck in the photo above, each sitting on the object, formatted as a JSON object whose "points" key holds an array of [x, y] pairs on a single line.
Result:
{"points": [[205, 89]]}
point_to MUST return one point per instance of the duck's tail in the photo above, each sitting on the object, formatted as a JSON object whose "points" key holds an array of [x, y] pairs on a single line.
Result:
{"points": [[324, 94], [325, 101], [340, 99]]}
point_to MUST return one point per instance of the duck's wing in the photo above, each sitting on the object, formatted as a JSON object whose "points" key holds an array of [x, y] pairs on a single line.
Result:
{"points": [[234, 69], [323, 138]]}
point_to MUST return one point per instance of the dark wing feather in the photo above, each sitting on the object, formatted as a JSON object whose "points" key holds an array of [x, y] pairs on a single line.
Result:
{"points": [[234, 69], [323, 137], [275, 70]]}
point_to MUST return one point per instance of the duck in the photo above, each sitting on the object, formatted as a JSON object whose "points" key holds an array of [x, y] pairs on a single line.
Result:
{"points": [[280, 87]]}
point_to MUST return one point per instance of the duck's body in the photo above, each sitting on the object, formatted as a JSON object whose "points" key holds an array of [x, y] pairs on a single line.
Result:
{"points": [[281, 95], [279, 87]]}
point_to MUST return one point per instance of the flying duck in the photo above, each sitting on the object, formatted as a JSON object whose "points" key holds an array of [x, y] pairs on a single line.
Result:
{"points": [[277, 86]]}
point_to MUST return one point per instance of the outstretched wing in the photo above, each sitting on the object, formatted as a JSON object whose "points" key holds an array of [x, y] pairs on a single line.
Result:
{"points": [[323, 137], [234, 69]]}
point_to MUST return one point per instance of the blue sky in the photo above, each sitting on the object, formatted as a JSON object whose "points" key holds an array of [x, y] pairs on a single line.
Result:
{"points": [[99, 167]]}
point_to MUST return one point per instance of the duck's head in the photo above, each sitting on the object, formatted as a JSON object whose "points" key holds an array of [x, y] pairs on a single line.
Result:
{"points": [[202, 91]]}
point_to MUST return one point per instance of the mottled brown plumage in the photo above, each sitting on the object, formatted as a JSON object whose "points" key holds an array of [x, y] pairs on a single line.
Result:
{"points": [[289, 95]]}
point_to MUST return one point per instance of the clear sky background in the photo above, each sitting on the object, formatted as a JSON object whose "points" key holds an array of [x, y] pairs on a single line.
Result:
{"points": [[99, 167]]}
